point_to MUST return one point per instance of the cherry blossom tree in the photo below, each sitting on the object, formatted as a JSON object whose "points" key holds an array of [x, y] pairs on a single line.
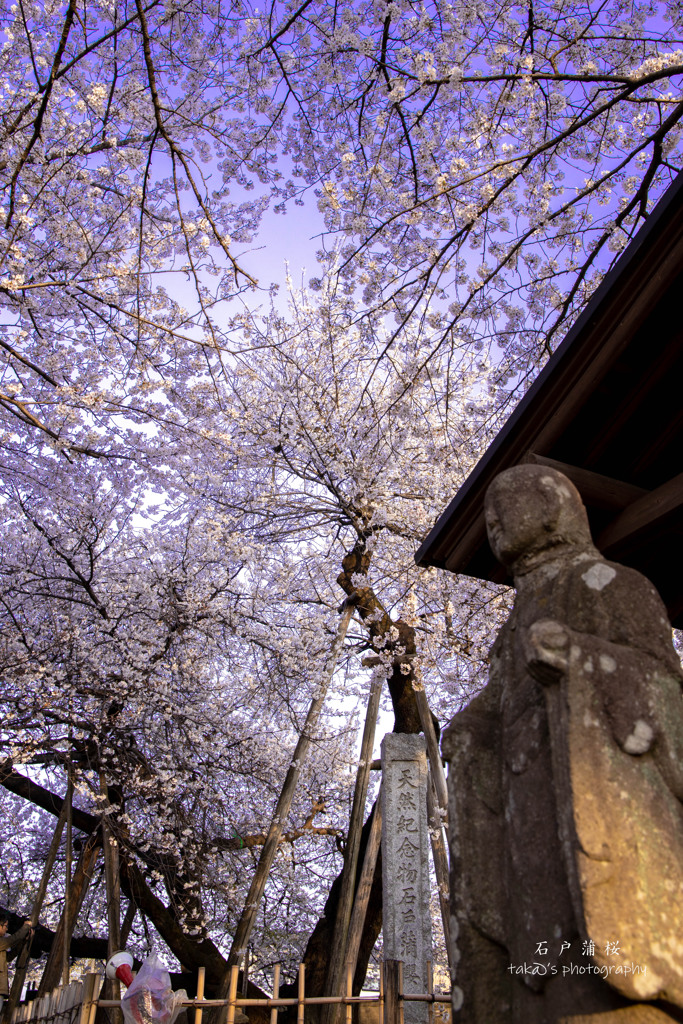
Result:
{"points": [[490, 157], [127, 656], [194, 479], [348, 484], [177, 658]]}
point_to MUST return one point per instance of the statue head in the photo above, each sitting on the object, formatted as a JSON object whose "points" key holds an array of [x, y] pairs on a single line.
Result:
{"points": [[531, 509]]}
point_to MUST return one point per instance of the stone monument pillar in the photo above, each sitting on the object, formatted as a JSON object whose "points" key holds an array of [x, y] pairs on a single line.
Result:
{"points": [[406, 921]]}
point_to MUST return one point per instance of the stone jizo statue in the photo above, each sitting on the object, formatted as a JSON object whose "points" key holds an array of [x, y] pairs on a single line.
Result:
{"points": [[566, 784]]}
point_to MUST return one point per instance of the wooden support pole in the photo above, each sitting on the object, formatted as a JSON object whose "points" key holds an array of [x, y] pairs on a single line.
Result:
{"points": [[301, 994], [338, 958], [245, 973], [279, 819], [433, 752], [232, 992], [49, 864], [440, 858], [82, 875], [67, 875], [112, 878], [392, 987], [276, 993], [201, 978], [360, 905], [129, 917], [349, 993], [22, 959]]}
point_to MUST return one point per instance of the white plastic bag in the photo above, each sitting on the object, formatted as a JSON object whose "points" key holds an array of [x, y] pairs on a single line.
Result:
{"points": [[150, 998]]}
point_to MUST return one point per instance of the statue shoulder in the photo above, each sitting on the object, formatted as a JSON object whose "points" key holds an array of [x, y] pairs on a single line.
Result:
{"points": [[619, 604]]}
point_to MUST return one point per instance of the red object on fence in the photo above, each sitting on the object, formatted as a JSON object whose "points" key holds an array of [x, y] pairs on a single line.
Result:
{"points": [[124, 974], [120, 966]]}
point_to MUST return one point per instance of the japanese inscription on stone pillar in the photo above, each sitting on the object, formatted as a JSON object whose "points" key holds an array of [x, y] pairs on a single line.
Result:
{"points": [[405, 863]]}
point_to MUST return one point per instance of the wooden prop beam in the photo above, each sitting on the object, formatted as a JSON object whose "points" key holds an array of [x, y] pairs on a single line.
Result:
{"points": [[367, 875], [23, 957], [284, 803], [335, 973], [245, 973], [129, 917], [68, 856], [440, 858], [110, 846], [433, 752], [85, 866], [113, 883]]}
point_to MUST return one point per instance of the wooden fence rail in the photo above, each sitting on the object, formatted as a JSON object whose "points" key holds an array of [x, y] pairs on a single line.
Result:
{"points": [[77, 1003]]}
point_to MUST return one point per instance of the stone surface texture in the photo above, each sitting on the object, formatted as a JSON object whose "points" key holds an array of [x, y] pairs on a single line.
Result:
{"points": [[566, 784], [643, 1013], [406, 919]]}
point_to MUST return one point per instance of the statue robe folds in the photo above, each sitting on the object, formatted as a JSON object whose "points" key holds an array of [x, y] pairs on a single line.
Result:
{"points": [[566, 786]]}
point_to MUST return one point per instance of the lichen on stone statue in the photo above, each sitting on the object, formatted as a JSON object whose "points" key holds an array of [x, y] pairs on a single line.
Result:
{"points": [[566, 784]]}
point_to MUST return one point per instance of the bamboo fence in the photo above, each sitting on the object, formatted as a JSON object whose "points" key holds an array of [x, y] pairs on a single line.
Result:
{"points": [[77, 1002], [74, 1003]]}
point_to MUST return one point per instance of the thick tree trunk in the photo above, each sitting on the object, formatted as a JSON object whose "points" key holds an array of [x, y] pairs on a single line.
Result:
{"points": [[396, 639], [393, 638]]}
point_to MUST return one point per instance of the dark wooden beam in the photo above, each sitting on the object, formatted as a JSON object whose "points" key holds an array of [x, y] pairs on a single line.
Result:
{"points": [[596, 490], [651, 378], [644, 514]]}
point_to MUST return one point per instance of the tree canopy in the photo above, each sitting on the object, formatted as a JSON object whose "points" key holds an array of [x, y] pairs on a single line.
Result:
{"points": [[198, 471]]}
